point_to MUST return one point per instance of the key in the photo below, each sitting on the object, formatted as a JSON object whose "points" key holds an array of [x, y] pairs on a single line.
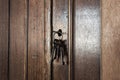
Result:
{"points": [[62, 55], [58, 52], [62, 51], [65, 58], [55, 53], [55, 49]]}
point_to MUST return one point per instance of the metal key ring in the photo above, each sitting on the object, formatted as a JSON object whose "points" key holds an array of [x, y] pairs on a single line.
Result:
{"points": [[60, 37]]}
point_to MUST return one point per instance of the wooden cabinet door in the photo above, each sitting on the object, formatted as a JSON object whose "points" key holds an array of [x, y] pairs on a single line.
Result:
{"points": [[80, 19], [25, 39], [91, 30]]}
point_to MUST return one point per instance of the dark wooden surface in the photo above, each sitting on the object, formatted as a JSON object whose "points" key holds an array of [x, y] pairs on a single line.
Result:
{"points": [[32, 31], [36, 40], [18, 39], [87, 40], [110, 40], [60, 21], [4, 39]]}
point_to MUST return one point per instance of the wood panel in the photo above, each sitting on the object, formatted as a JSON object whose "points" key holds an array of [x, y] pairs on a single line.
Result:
{"points": [[36, 54], [110, 40], [60, 21], [18, 39], [47, 45], [4, 39], [86, 40]]}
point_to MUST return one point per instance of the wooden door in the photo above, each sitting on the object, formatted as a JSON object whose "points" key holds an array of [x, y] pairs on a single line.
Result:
{"points": [[25, 39], [80, 19], [27, 42]]}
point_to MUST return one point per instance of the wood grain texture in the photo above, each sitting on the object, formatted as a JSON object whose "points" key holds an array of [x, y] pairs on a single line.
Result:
{"points": [[47, 39], [18, 39], [110, 39], [4, 39], [60, 21], [87, 40], [36, 54]]}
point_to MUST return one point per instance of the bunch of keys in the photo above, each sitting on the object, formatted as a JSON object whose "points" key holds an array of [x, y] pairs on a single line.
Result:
{"points": [[59, 48]]}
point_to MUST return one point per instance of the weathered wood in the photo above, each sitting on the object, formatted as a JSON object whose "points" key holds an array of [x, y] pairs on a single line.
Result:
{"points": [[4, 39], [60, 21], [36, 40], [47, 24], [87, 40], [110, 40], [18, 39]]}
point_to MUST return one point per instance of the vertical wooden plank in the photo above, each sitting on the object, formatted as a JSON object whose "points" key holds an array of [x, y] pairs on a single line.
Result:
{"points": [[87, 40], [47, 39], [4, 39], [110, 39], [70, 39], [18, 39], [60, 21], [36, 40]]}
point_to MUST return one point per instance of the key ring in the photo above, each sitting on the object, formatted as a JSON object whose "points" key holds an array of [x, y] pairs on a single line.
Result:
{"points": [[59, 33]]}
